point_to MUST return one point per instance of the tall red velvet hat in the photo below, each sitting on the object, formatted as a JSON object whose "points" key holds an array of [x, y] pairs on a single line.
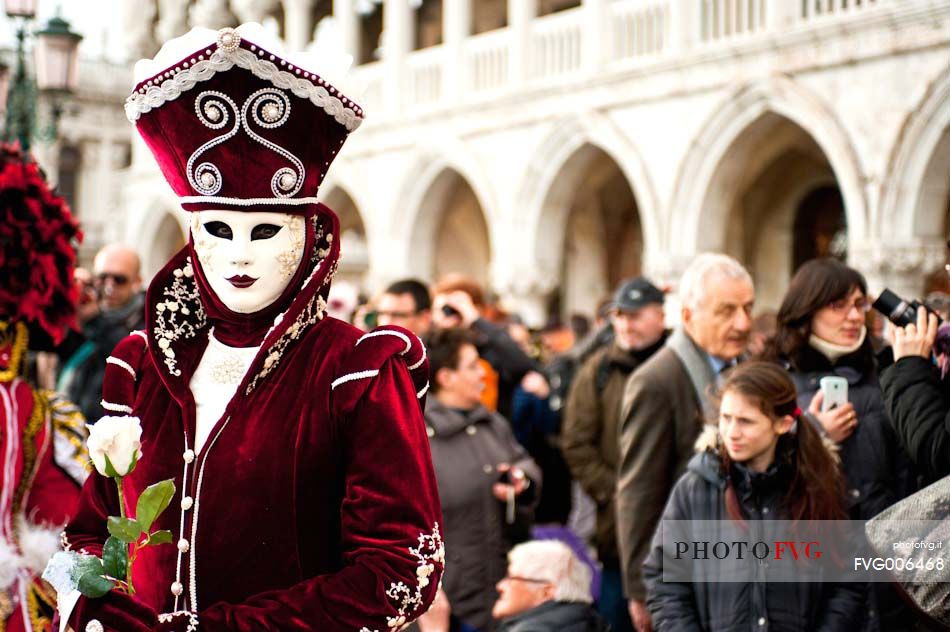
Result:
{"points": [[236, 125]]}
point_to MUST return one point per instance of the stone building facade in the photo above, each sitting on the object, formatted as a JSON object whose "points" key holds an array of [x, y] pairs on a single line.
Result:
{"points": [[551, 148]]}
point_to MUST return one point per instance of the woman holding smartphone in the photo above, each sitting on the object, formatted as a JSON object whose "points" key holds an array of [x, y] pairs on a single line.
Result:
{"points": [[821, 334], [764, 463]]}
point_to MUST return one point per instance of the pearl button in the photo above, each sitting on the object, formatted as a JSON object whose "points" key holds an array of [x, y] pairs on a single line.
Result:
{"points": [[470, 430], [189, 456], [761, 620], [183, 545], [187, 502], [488, 469], [177, 588]]}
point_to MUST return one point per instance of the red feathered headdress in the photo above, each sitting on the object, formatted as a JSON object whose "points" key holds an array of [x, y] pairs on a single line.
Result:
{"points": [[38, 239]]}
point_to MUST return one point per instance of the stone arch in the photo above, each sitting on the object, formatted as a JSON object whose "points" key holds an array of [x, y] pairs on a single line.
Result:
{"points": [[566, 151], [417, 217], [916, 201], [702, 225], [162, 233], [354, 236]]}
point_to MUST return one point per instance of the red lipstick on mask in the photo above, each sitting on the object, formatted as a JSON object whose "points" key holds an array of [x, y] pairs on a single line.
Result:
{"points": [[242, 281]]}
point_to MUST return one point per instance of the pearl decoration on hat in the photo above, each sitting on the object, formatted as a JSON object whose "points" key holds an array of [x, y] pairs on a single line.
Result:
{"points": [[287, 181], [207, 179], [228, 39], [270, 112]]}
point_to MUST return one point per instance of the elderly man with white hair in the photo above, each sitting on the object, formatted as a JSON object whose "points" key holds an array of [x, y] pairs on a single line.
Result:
{"points": [[547, 588], [666, 403]]}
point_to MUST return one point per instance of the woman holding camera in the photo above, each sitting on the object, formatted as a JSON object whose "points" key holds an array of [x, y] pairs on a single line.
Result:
{"points": [[764, 463], [488, 483], [821, 333]]}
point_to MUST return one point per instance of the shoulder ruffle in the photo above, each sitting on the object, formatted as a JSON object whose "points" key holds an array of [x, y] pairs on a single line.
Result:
{"points": [[368, 355]]}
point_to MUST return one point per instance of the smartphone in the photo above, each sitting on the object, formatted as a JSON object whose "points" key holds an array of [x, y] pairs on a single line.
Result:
{"points": [[835, 391]]}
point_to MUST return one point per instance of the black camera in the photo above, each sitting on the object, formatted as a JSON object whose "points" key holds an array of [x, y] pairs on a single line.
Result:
{"points": [[897, 310], [450, 311]]}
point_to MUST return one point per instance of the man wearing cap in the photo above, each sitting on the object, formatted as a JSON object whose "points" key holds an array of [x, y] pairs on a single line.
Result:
{"points": [[591, 432]]}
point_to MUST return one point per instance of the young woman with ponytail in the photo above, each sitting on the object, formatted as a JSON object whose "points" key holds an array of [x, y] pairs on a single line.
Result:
{"points": [[764, 463]]}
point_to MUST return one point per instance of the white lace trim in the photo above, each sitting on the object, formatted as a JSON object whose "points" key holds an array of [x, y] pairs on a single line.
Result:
{"points": [[349, 377], [388, 332], [197, 69], [116, 408], [179, 316], [407, 600], [231, 201], [122, 363]]}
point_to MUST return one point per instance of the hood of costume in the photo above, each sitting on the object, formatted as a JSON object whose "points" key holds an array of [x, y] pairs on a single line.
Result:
{"points": [[235, 126]]}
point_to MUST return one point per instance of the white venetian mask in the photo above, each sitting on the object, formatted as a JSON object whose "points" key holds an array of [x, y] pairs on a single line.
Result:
{"points": [[248, 258]]}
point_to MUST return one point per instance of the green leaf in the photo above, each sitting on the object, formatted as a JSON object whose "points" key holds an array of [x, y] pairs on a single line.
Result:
{"points": [[125, 529], [153, 502], [134, 462], [160, 537], [94, 585], [86, 564], [110, 469], [115, 558]]}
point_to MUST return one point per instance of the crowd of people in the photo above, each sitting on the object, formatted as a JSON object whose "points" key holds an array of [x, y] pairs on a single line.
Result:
{"points": [[432, 462]]}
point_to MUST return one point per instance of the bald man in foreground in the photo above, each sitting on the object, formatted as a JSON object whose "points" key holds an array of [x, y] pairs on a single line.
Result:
{"points": [[119, 310]]}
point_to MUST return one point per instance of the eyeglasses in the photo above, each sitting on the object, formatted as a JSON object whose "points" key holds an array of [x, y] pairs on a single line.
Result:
{"points": [[117, 279], [530, 580], [396, 314], [843, 306]]}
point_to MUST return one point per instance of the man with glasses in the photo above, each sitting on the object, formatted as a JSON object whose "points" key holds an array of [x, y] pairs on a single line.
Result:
{"points": [[547, 588], [118, 310], [406, 303]]}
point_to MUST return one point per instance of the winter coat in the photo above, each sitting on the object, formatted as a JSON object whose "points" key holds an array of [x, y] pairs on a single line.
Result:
{"points": [[876, 470], [590, 436], [663, 413], [719, 606], [84, 370], [919, 407], [466, 447], [504, 355], [556, 616]]}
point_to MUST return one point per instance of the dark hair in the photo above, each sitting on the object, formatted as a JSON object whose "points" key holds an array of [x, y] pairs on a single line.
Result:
{"points": [[415, 288], [816, 284], [816, 491], [443, 347]]}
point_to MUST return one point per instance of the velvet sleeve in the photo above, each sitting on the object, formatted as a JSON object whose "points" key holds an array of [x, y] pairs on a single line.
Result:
{"points": [[392, 547]]}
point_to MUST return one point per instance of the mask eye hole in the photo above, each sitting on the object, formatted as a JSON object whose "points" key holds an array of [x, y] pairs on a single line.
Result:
{"points": [[264, 231], [219, 230]]}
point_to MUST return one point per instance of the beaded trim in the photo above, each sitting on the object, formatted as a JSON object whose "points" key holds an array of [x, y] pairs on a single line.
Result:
{"points": [[179, 316], [431, 551], [173, 83], [168, 617], [230, 201]]}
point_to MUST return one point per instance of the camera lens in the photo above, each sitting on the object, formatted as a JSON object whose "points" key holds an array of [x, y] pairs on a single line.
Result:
{"points": [[897, 310]]}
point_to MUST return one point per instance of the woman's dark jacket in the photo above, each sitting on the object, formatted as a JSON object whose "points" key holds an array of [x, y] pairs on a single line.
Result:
{"points": [[733, 606], [466, 447], [556, 616], [918, 403], [876, 470]]}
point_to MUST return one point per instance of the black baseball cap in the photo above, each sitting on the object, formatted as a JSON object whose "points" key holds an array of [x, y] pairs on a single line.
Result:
{"points": [[636, 293]]}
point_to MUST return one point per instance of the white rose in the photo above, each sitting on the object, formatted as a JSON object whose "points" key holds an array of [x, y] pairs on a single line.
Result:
{"points": [[119, 438]]}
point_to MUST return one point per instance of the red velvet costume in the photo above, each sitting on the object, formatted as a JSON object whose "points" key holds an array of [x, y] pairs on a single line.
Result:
{"points": [[313, 505], [42, 457]]}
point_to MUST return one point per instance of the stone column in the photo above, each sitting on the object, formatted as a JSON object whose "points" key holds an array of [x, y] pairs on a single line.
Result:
{"points": [[348, 23], [520, 15], [596, 34], [212, 14], [456, 27], [397, 43], [254, 10], [780, 14], [298, 26], [901, 267], [685, 23], [172, 19], [526, 294], [137, 33]]}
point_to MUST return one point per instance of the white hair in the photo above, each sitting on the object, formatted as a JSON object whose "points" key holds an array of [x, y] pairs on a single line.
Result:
{"points": [[553, 561], [692, 288]]}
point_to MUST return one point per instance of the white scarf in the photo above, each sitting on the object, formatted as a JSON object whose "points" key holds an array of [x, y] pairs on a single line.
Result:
{"points": [[832, 351]]}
